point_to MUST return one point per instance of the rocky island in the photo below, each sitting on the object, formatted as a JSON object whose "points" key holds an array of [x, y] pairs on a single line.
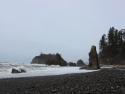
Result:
{"points": [[42, 58], [49, 59]]}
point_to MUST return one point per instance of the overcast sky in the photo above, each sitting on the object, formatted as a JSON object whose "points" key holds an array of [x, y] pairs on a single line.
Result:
{"points": [[68, 27]]}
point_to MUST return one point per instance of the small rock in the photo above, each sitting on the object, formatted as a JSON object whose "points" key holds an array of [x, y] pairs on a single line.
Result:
{"points": [[53, 91], [112, 87], [15, 71]]}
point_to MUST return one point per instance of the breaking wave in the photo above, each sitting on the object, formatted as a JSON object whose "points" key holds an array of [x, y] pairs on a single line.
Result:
{"points": [[36, 70]]}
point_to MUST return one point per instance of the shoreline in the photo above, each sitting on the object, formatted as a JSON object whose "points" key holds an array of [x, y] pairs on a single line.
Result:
{"points": [[49, 75], [44, 72], [102, 65], [109, 80]]}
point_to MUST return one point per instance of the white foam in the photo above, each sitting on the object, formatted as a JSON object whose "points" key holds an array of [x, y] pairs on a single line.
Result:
{"points": [[37, 70], [105, 67]]}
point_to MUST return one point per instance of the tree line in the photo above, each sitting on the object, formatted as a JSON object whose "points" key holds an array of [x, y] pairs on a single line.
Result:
{"points": [[113, 43]]}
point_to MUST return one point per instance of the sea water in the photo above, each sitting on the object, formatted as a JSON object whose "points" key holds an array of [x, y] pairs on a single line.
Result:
{"points": [[37, 70]]}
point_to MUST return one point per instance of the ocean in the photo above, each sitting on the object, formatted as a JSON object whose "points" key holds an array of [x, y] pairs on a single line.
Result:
{"points": [[37, 70]]}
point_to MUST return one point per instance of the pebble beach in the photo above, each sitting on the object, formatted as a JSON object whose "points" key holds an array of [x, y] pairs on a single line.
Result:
{"points": [[104, 81]]}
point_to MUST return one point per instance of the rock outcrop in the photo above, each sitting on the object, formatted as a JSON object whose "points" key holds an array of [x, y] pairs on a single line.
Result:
{"points": [[17, 71], [42, 58], [93, 59], [80, 63], [71, 64], [58, 60]]}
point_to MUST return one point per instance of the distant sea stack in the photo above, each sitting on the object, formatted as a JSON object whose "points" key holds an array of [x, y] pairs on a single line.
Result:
{"points": [[93, 58], [42, 58], [80, 63]]}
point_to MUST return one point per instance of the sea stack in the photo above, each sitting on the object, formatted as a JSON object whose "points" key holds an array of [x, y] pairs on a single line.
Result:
{"points": [[80, 63], [93, 59]]}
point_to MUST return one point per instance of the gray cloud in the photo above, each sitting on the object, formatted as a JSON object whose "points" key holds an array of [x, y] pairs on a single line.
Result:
{"points": [[68, 27]]}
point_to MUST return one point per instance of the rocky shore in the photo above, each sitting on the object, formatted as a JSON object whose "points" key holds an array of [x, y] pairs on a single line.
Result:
{"points": [[104, 81]]}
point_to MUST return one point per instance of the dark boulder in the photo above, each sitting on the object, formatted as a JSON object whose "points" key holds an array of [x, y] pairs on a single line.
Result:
{"points": [[80, 63], [57, 61], [22, 70], [17, 71], [93, 59]]}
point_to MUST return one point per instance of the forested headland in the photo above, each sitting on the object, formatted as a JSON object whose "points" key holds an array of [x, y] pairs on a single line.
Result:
{"points": [[112, 47]]}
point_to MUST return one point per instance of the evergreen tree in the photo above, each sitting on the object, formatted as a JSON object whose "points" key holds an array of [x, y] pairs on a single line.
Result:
{"points": [[123, 49], [120, 41], [102, 43], [111, 36], [114, 45], [123, 36], [116, 37]]}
